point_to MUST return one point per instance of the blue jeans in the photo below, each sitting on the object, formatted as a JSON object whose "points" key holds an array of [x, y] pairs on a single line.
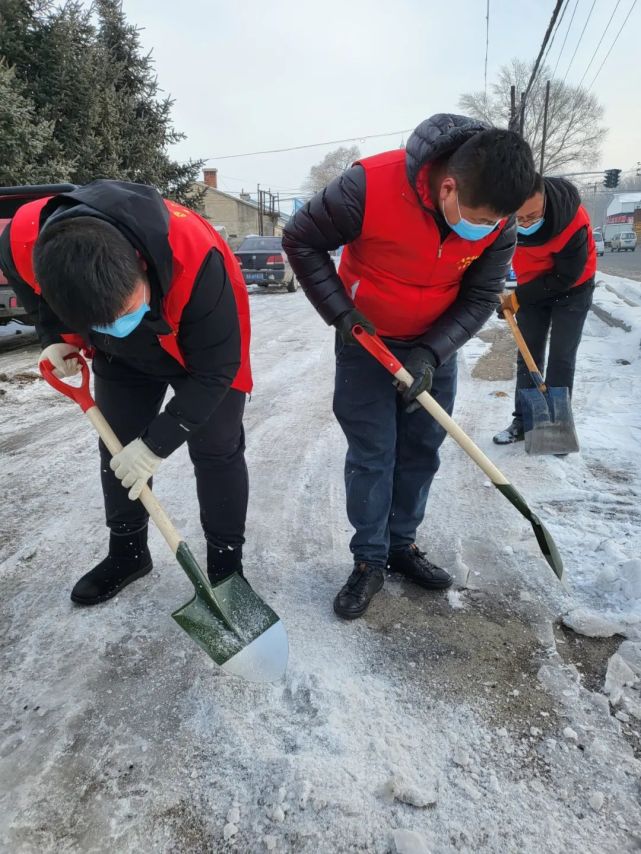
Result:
{"points": [[392, 457]]}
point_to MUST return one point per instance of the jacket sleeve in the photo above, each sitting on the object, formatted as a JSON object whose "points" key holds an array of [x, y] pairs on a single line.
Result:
{"points": [[569, 263], [48, 326], [330, 219], [209, 339], [478, 297]]}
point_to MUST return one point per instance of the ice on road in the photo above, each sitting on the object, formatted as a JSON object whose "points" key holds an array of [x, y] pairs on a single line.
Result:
{"points": [[467, 721]]}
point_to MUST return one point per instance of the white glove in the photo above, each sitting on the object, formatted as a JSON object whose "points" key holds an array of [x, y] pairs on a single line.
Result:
{"points": [[56, 353], [134, 465]]}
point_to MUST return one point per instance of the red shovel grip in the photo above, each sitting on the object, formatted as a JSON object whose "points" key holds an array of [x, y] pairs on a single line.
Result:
{"points": [[81, 394], [373, 344]]}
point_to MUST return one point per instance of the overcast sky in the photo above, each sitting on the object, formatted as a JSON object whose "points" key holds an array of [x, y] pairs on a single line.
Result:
{"points": [[265, 74]]}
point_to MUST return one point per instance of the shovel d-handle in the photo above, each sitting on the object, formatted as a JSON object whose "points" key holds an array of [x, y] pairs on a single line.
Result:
{"points": [[376, 347], [532, 367], [81, 394]]}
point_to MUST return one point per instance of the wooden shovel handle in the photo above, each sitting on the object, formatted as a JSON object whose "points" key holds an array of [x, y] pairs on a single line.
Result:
{"points": [[147, 498], [508, 314]]}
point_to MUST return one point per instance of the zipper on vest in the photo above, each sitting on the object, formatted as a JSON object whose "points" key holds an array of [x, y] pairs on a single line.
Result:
{"points": [[440, 249]]}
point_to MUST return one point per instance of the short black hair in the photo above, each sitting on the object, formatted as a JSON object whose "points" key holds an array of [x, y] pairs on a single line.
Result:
{"points": [[539, 186], [86, 270], [494, 169]]}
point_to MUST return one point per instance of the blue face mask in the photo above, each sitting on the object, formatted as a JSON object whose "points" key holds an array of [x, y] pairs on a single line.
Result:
{"points": [[125, 325], [530, 228], [466, 229]]}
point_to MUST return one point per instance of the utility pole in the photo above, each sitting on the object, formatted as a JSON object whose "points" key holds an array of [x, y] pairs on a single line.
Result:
{"points": [[545, 124], [260, 210], [512, 124], [522, 116]]}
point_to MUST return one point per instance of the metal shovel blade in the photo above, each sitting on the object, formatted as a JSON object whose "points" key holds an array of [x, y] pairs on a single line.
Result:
{"points": [[547, 421], [233, 625], [543, 536]]}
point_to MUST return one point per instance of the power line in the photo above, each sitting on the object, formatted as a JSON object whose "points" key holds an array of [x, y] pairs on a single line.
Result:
{"points": [[309, 145], [596, 50], [616, 38], [567, 33], [546, 38], [580, 40], [487, 42]]}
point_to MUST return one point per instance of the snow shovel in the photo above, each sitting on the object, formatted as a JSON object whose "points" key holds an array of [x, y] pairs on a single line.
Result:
{"points": [[547, 414], [228, 620], [376, 347]]}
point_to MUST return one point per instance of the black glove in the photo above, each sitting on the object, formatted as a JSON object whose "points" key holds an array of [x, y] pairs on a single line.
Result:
{"points": [[421, 364], [348, 320]]}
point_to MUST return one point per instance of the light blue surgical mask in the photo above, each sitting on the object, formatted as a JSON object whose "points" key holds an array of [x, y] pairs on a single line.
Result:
{"points": [[466, 229], [530, 229], [125, 325]]}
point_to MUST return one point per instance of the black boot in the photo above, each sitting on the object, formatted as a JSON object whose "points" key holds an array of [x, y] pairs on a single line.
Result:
{"points": [[412, 563], [221, 563], [128, 559], [514, 433], [354, 597]]}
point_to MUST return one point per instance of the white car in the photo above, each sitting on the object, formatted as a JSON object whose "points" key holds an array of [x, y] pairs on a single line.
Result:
{"points": [[624, 240], [598, 242]]}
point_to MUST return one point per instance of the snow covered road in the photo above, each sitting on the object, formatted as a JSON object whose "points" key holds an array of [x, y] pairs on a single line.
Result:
{"points": [[463, 718]]}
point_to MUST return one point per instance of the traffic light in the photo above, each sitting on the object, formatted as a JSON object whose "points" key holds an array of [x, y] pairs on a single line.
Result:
{"points": [[611, 178]]}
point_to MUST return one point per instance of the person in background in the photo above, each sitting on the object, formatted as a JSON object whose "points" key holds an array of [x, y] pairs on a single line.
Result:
{"points": [[555, 263], [428, 234]]}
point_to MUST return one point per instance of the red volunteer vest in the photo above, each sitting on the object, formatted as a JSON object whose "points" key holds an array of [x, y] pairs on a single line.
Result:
{"points": [[191, 238], [398, 272], [532, 261]]}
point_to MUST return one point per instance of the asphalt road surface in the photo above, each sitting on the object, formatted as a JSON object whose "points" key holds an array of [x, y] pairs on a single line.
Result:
{"points": [[621, 264]]}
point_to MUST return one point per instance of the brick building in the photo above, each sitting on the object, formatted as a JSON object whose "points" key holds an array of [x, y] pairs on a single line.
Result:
{"points": [[238, 215]]}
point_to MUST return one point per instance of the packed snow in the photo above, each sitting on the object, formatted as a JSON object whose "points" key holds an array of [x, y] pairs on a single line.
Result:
{"points": [[467, 721]]}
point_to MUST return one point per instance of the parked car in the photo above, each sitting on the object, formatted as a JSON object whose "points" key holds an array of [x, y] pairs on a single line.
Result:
{"points": [[624, 240], [10, 200], [598, 242], [264, 263]]}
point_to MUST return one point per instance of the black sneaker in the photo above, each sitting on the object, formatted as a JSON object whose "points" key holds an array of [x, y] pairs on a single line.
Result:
{"points": [[412, 563], [354, 597], [514, 433], [128, 560]]}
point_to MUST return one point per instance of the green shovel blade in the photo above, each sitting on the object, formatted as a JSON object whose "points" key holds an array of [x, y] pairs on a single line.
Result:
{"points": [[543, 536], [233, 625]]}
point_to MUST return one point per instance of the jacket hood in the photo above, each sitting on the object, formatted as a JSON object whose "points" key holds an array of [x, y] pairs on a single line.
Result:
{"points": [[136, 210], [562, 201], [436, 137]]}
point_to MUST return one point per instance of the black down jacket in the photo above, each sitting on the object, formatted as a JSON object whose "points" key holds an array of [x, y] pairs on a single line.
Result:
{"points": [[334, 217]]}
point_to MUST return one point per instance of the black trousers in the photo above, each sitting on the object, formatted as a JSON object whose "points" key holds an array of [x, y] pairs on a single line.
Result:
{"points": [[563, 321], [129, 400]]}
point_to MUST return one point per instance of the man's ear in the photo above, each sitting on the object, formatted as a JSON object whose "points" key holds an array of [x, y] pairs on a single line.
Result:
{"points": [[141, 262], [448, 186]]}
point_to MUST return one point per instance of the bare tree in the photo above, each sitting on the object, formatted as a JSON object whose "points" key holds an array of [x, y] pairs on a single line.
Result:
{"points": [[331, 166], [575, 130]]}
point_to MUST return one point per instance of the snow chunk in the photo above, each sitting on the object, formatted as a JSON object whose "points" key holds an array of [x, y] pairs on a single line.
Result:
{"points": [[618, 676], [630, 573], [409, 842], [229, 830], [596, 800], [590, 623], [570, 734], [399, 789], [630, 652], [455, 600]]}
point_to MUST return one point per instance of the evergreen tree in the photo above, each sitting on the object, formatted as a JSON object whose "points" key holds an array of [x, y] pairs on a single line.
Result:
{"points": [[86, 96]]}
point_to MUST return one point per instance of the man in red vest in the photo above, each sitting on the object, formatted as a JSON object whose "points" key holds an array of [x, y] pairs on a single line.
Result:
{"points": [[157, 294], [555, 263], [428, 241]]}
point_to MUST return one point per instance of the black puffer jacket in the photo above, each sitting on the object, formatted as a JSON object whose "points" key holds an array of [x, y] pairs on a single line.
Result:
{"points": [[334, 217], [562, 201]]}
